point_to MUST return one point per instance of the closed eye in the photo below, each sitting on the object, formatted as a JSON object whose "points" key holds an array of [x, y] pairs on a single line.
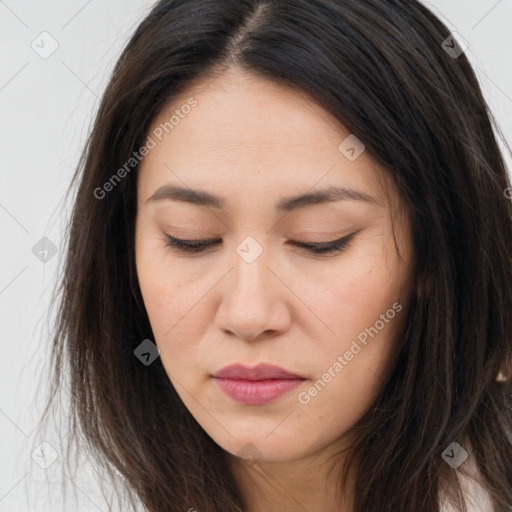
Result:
{"points": [[197, 246]]}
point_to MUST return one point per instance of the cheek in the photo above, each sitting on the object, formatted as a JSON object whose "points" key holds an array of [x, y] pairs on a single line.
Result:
{"points": [[336, 409], [351, 374], [174, 301], [350, 299], [363, 309], [165, 289]]}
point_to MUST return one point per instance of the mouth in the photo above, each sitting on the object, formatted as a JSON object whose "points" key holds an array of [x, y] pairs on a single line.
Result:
{"points": [[260, 385]]}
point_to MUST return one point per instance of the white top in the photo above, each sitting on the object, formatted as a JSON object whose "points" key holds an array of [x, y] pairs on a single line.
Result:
{"points": [[476, 497]]}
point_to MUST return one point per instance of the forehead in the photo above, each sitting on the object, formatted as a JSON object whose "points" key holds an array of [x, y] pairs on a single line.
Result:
{"points": [[237, 108], [253, 133]]}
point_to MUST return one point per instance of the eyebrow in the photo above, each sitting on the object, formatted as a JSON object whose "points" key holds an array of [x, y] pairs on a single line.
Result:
{"points": [[287, 204]]}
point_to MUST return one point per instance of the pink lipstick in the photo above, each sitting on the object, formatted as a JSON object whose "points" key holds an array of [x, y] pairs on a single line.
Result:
{"points": [[260, 385]]}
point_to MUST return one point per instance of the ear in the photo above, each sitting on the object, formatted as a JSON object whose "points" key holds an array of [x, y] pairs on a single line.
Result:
{"points": [[502, 376]]}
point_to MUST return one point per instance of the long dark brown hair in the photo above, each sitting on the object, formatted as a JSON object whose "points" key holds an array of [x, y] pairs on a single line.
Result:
{"points": [[382, 68]]}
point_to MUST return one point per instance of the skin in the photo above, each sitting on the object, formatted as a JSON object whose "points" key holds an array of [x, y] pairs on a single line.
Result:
{"points": [[254, 142]]}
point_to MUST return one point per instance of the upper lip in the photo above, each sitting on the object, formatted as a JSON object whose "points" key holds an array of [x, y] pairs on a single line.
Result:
{"points": [[260, 372]]}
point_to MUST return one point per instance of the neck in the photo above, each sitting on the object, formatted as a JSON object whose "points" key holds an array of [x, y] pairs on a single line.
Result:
{"points": [[310, 483]]}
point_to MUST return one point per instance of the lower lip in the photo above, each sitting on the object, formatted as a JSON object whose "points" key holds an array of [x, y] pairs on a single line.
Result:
{"points": [[257, 392]]}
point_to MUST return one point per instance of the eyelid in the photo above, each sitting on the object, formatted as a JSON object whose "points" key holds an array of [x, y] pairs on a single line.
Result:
{"points": [[303, 241], [196, 246]]}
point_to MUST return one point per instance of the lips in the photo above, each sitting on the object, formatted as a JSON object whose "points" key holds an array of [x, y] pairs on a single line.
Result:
{"points": [[259, 385], [259, 372]]}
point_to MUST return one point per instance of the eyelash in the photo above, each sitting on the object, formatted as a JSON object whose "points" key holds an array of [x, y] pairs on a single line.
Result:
{"points": [[197, 246]]}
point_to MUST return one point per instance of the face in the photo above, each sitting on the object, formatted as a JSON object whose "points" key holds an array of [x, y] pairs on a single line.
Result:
{"points": [[269, 286]]}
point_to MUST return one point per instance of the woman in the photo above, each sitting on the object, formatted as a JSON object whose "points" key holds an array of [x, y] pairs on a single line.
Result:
{"points": [[288, 284]]}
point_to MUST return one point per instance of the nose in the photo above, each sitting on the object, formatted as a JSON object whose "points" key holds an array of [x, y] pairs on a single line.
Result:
{"points": [[254, 301]]}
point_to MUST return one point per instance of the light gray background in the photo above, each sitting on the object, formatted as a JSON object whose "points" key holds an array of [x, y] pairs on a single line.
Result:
{"points": [[46, 110]]}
